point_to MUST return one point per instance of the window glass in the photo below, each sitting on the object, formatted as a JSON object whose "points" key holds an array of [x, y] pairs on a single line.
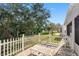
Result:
{"points": [[69, 29], [77, 30]]}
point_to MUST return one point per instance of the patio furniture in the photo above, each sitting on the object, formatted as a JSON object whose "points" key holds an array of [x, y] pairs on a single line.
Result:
{"points": [[47, 51]]}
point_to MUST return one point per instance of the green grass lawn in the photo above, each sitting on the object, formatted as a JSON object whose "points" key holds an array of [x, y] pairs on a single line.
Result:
{"points": [[56, 33], [44, 39]]}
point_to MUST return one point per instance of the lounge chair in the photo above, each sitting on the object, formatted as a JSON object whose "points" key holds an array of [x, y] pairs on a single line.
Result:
{"points": [[39, 49]]}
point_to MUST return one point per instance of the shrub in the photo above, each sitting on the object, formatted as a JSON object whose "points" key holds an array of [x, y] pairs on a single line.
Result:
{"points": [[44, 33]]}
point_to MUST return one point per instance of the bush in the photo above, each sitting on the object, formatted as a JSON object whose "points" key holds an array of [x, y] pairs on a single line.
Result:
{"points": [[44, 33], [57, 39], [56, 33]]}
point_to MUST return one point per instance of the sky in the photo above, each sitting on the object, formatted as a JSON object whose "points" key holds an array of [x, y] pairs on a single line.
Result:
{"points": [[58, 12]]}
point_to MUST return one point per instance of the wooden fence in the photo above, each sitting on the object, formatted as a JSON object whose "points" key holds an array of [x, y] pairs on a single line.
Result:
{"points": [[13, 46]]}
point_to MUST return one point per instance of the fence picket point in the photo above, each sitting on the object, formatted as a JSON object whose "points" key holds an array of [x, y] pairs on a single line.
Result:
{"points": [[23, 42], [39, 37], [0, 47], [18, 44], [49, 37], [7, 46], [10, 46], [13, 46], [3, 47]]}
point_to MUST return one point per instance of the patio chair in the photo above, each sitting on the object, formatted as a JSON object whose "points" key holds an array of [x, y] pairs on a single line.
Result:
{"points": [[46, 51]]}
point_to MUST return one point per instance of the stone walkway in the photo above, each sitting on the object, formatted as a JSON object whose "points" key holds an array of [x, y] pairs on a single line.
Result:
{"points": [[37, 49], [66, 52], [62, 52]]}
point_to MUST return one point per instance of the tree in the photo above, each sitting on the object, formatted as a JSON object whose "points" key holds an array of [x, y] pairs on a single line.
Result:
{"points": [[54, 27], [40, 16], [17, 19]]}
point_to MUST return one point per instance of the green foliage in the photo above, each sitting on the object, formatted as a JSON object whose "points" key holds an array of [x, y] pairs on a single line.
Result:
{"points": [[55, 33], [54, 27], [57, 39], [17, 19], [44, 33]]}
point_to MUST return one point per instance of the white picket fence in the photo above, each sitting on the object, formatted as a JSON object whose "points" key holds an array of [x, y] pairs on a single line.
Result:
{"points": [[11, 47]]}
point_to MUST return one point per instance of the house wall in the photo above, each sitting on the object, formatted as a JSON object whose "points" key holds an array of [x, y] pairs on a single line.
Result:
{"points": [[74, 12]]}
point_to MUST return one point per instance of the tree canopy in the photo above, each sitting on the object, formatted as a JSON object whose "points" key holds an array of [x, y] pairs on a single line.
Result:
{"points": [[17, 19], [54, 27]]}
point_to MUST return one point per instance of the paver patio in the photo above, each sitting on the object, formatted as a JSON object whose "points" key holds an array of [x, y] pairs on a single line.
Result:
{"points": [[42, 50]]}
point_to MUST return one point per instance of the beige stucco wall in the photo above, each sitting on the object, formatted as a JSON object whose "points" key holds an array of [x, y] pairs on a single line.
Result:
{"points": [[73, 12]]}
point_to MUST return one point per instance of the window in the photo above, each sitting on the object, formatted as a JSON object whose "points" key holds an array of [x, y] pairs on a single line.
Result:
{"points": [[77, 30], [69, 28]]}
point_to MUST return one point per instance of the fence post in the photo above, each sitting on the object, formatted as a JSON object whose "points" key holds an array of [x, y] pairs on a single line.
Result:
{"points": [[0, 47], [10, 47], [13, 46], [4, 47], [39, 38], [49, 37], [23, 42], [18, 44], [7, 47]]}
